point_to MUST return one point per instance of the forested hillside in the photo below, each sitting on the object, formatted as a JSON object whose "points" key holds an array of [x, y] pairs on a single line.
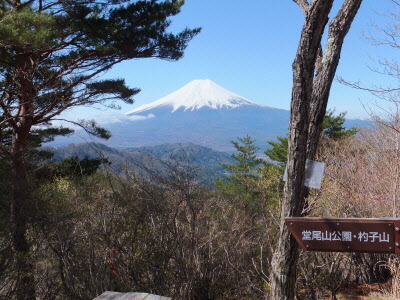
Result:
{"points": [[169, 234], [139, 159]]}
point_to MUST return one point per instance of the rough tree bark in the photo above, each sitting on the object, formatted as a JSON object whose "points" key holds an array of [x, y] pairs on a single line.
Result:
{"points": [[326, 67], [313, 73], [20, 205]]}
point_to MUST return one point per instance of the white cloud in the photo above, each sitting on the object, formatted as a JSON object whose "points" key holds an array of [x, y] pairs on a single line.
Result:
{"points": [[109, 117], [112, 117], [101, 118], [139, 118]]}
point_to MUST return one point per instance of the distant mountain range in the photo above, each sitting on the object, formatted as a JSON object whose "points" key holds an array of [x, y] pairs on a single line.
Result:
{"points": [[205, 160], [202, 113]]}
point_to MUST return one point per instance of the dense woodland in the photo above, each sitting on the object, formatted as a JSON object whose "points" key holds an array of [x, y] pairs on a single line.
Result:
{"points": [[169, 233]]}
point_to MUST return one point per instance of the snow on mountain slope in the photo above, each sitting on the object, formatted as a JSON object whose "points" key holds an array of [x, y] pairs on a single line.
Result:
{"points": [[195, 95]]}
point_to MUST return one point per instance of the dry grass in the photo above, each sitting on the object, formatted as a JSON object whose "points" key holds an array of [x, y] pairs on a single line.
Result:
{"points": [[394, 267], [365, 292], [377, 296]]}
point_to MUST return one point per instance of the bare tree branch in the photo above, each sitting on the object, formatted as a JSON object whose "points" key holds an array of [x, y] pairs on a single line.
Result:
{"points": [[312, 79], [304, 5]]}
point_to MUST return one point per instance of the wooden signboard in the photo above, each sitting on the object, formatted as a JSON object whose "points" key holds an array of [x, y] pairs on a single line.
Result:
{"points": [[346, 235]]}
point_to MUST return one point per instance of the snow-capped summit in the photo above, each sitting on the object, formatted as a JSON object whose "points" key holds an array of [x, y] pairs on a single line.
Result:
{"points": [[195, 95]]}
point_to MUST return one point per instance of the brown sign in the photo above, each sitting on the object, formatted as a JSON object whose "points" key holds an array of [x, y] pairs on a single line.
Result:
{"points": [[346, 235]]}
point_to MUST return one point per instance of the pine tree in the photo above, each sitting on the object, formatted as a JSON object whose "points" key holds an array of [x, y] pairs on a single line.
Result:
{"points": [[52, 53], [240, 184], [278, 152], [333, 128]]}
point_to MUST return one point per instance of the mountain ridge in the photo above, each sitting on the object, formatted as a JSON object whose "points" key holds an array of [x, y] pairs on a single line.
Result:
{"points": [[202, 113], [195, 95], [206, 160]]}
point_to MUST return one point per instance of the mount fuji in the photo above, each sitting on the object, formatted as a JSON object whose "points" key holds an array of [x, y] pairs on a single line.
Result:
{"points": [[202, 113], [196, 95]]}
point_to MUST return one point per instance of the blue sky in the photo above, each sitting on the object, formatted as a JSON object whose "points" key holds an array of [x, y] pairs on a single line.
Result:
{"points": [[248, 48]]}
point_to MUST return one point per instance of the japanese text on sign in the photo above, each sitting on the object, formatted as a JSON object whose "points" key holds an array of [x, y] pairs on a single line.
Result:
{"points": [[345, 236]]}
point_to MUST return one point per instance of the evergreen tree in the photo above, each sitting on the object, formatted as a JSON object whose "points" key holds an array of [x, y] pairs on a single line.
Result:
{"points": [[240, 184], [333, 128], [278, 152], [52, 53]]}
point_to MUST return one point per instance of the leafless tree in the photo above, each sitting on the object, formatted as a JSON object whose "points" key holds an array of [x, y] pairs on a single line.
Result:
{"points": [[387, 107], [313, 72]]}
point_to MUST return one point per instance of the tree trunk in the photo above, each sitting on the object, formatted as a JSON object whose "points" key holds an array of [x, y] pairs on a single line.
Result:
{"points": [[25, 288], [284, 261], [326, 69], [310, 94], [21, 206]]}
